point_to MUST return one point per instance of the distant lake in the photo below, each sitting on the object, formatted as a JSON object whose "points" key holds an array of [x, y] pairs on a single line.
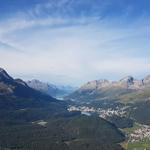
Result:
{"points": [[86, 113]]}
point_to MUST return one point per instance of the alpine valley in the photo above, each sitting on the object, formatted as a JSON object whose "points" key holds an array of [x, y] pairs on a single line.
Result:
{"points": [[51, 89], [125, 103], [101, 115], [32, 120]]}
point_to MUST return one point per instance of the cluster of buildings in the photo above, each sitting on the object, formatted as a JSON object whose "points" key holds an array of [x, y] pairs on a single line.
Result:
{"points": [[102, 112], [140, 134]]}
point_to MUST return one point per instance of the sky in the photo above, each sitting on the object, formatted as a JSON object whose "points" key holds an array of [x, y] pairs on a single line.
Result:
{"points": [[71, 42]]}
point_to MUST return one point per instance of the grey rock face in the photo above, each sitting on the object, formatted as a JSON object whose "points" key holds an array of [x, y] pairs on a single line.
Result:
{"points": [[127, 83], [146, 81], [128, 79], [49, 89]]}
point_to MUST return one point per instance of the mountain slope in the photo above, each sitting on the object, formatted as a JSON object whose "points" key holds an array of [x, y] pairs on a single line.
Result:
{"points": [[125, 90], [75, 133], [50, 89], [18, 88], [20, 103], [32, 120]]}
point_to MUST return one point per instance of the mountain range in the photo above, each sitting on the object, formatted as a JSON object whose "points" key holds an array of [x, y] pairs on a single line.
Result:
{"points": [[127, 89], [51, 89], [31, 120], [18, 99], [10, 87]]}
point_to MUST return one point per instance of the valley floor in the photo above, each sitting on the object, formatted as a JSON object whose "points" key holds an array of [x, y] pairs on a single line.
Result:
{"points": [[137, 136]]}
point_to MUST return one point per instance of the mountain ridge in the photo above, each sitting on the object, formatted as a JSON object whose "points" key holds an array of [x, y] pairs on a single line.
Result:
{"points": [[20, 103], [15, 89], [50, 89], [105, 89], [127, 82]]}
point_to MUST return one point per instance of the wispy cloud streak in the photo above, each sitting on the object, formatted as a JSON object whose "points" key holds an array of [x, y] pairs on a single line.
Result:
{"points": [[69, 45]]}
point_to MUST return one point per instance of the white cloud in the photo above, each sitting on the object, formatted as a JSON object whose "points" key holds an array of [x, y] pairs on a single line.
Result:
{"points": [[74, 53], [71, 67], [123, 65]]}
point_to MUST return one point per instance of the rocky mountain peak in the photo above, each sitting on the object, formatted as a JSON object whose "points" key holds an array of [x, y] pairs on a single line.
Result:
{"points": [[128, 79], [21, 82], [95, 84], [146, 80], [102, 81], [4, 75]]}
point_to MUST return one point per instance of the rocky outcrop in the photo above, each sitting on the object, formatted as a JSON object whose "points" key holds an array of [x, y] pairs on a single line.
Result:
{"points": [[104, 89], [127, 82]]}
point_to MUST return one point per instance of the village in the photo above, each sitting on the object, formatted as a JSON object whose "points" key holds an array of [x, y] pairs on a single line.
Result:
{"points": [[102, 112], [140, 134]]}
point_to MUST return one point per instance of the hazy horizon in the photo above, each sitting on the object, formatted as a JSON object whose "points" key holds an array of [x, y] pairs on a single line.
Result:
{"points": [[52, 81], [72, 42]]}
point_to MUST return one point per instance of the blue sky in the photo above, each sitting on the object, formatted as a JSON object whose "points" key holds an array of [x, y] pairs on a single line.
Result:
{"points": [[74, 41]]}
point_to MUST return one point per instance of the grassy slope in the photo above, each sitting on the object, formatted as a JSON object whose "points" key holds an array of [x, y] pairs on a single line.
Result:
{"points": [[139, 146], [136, 96], [106, 93], [112, 93]]}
